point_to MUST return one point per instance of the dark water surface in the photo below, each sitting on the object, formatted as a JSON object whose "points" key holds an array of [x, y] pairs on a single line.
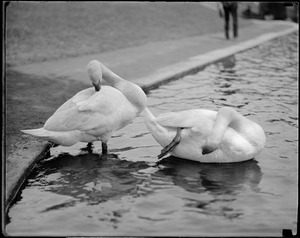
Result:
{"points": [[76, 193]]}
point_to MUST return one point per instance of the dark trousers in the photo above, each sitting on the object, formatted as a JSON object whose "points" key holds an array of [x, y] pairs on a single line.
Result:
{"points": [[231, 9]]}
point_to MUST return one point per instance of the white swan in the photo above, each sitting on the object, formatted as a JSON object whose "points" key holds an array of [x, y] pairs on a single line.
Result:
{"points": [[206, 136], [94, 113]]}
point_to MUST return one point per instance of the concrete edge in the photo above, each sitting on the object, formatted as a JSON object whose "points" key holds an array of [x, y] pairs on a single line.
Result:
{"points": [[18, 182], [163, 76], [197, 63]]}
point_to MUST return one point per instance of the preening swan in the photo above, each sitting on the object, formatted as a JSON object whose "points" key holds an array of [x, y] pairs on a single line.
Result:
{"points": [[94, 113], [206, 136]]}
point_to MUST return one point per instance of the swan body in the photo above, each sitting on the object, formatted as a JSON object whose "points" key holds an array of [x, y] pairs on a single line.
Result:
{"points": [[207, 136], [94, 113]]}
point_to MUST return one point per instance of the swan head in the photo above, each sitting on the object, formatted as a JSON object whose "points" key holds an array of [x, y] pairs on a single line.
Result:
{"points": [[208, 149], [95, 73], [210, 145]]}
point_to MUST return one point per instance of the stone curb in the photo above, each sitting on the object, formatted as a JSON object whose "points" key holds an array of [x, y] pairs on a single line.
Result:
{"points": [[38, 151]]}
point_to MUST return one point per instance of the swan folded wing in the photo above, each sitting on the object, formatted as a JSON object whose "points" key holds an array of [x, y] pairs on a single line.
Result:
{"points": [[185, 119], [85, 115], [73, 119], [79, 97], [99, 103]]}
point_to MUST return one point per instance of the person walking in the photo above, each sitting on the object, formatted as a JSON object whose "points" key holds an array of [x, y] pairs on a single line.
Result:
{"points": [[230, 8]]}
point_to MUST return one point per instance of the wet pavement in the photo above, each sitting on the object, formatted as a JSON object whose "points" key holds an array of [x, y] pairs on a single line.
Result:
{"points": [[51, 83]]}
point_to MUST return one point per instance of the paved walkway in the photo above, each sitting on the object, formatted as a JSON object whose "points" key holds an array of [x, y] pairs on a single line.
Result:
{"points": [[148, 66]]}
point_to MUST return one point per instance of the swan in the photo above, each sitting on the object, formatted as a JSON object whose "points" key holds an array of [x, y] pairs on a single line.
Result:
{"points": [[93, 114], [206, 136]]}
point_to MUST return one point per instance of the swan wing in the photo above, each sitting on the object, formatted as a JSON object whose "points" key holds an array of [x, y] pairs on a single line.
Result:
{"points": [[99, 110], [79, 97], [185, 119]]}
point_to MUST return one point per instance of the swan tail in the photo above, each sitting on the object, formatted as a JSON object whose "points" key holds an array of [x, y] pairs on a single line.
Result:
{"points": [[62, 138], [41, 133]]}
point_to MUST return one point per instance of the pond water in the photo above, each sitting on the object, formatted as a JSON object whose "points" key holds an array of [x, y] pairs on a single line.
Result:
{"points": [[76, 193]]}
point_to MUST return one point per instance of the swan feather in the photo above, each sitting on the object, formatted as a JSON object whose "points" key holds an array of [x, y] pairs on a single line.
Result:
{"points": [[185, 119], [97, 111]]}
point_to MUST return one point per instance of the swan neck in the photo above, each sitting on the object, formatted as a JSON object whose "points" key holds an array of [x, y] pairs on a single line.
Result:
{"points": [[147, 114], [130, 90], [110, 77]]}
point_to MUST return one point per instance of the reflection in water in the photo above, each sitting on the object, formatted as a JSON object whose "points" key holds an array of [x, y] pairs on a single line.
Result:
{"points": [[224, 182], [227, 66], [215, 178], [226, 76], [95, 179], [87, 177]]}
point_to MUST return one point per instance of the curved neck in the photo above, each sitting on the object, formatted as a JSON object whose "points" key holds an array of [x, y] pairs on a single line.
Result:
{"points": [[130, 90], [147, 114], [226, 116], [113, 79]]}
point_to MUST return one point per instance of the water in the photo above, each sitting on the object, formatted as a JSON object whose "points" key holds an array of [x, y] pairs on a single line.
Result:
{"points": [[76, 193]]}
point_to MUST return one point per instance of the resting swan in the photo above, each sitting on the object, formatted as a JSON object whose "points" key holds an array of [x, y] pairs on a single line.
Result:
{"points": [[94, 113], [206, 136]]}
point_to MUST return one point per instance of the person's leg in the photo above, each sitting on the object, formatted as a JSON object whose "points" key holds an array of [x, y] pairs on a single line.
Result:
{"points": [[234, 20], [226, 17]]}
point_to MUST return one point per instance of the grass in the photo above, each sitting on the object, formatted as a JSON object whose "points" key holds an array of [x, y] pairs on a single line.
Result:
{"points": [[42, 31]]}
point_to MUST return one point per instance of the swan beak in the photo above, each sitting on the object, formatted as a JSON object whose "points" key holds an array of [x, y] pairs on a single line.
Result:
{"points": [[97, 86]]}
